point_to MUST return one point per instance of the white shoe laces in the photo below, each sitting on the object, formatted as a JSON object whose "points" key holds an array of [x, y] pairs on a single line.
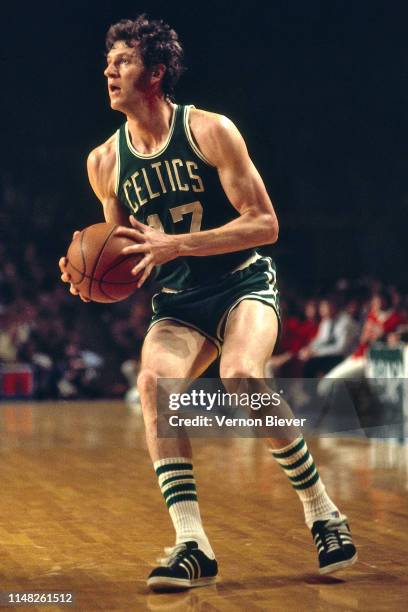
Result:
{"points": [[171, 553], [332, 539]]}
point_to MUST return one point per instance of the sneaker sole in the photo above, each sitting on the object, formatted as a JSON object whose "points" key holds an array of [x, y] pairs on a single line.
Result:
{"points": [[334, 567], [161, 583]]}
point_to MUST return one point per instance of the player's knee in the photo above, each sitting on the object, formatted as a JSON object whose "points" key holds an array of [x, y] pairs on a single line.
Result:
{"points": [[147, 387], [153, 395], [233, 372], [147, 381]]}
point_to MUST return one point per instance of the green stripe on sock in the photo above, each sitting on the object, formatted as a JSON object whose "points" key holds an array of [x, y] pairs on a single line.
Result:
{"points": [[291, 451], [297, 463], [182, 497], [304, 474], [307, 484], [188, 486], [181, 477], [172, 467]]}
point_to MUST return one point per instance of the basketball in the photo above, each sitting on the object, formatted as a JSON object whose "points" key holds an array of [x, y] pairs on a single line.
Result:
{"points": [[96, 266]]}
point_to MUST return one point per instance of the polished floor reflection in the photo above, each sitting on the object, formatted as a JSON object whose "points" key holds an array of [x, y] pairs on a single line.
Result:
{"points": [[81, 511]]}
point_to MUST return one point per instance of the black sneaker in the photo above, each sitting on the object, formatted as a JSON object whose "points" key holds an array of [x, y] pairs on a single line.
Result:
{"points": [[187, 566], [334, 545]]}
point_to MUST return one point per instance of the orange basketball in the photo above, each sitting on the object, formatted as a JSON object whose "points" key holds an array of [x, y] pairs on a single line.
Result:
{"points": [[96, 266]]}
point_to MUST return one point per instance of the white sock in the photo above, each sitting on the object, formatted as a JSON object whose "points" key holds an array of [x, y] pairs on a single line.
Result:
{"points": [[298, 465], [177, 484]]}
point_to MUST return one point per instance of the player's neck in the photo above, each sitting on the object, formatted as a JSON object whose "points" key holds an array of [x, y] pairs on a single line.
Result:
{"points": [[149, 126]]}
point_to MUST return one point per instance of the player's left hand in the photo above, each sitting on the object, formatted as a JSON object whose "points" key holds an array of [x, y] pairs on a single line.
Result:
{"points": [[155, 246]]}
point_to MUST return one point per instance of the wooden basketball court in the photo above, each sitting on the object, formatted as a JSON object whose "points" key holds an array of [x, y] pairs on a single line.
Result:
{"points": [[81, 511]]}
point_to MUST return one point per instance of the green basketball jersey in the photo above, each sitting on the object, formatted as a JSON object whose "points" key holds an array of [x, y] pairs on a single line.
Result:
{"points": [[177, 191]]}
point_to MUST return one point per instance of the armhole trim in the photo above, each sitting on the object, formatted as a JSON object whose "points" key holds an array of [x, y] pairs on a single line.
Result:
{"points": [[190, 136], [117, 164]]}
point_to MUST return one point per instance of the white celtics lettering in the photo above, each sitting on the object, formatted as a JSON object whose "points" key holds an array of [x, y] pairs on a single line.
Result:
{"points": [[159, 178]]}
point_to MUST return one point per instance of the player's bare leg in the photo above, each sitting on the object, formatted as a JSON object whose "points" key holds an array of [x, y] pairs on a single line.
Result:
{"points": [[173, 351], [170, 350], [250, 337]]}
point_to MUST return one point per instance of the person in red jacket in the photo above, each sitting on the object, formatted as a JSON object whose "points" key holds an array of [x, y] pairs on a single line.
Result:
{"points": [[382, 319], [297, 332]]}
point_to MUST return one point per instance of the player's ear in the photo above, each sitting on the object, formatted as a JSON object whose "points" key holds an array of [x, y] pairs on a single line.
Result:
{"points": [[157, 73]]}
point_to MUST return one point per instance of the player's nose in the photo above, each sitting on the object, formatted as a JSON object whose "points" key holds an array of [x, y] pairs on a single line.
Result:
{"points": [[109, 71]]}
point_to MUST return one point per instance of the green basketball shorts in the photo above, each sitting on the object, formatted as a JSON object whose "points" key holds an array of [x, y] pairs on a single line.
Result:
{"points": [[206, 308]]}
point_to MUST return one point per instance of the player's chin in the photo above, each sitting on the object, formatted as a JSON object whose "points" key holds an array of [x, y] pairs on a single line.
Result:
{"points": [[116, 103]]}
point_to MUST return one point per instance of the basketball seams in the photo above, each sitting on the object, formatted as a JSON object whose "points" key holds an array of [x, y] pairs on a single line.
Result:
{"points": [[110, 282], [83, 254], [102, 290], [97, 259], [83, 275], [102, 278], [115, 265], [82, 271], [96, 256], [112, 298]]}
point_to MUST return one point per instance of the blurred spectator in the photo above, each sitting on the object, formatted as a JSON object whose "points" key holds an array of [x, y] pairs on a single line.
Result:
{"points": [[309, 324], [298, 330], [43, 369], [128, 335], [14, 332], [336, 333], [382, 319], [128, 332], [80, 370], [8, 345]]}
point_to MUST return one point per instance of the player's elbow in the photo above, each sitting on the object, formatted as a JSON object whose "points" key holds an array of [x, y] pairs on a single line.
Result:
{"points": [[270, 228], [275, 231]]}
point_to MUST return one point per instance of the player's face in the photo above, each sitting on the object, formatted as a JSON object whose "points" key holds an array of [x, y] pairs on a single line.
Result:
{"points": [[128, 78]]}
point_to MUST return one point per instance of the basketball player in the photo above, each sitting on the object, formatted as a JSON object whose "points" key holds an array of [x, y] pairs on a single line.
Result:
{"points": [[198, 210]]}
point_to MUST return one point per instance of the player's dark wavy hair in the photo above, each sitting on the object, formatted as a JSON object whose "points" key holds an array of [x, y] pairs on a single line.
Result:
{"points": [[158, 44]]}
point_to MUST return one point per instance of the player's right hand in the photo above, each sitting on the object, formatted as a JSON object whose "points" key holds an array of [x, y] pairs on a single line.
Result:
{"points": [[66, 278]]}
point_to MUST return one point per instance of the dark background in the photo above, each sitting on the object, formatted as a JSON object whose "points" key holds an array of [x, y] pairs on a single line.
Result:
{"points": [[319, 90]]}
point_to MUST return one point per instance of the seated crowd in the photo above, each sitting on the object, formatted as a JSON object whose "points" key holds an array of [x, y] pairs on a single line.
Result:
{"points": [[330, 337], [77, 350]]}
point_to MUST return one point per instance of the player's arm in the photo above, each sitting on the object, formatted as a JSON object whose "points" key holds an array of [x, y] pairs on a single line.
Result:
{"points": [[223, 146], [101, 166]]}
